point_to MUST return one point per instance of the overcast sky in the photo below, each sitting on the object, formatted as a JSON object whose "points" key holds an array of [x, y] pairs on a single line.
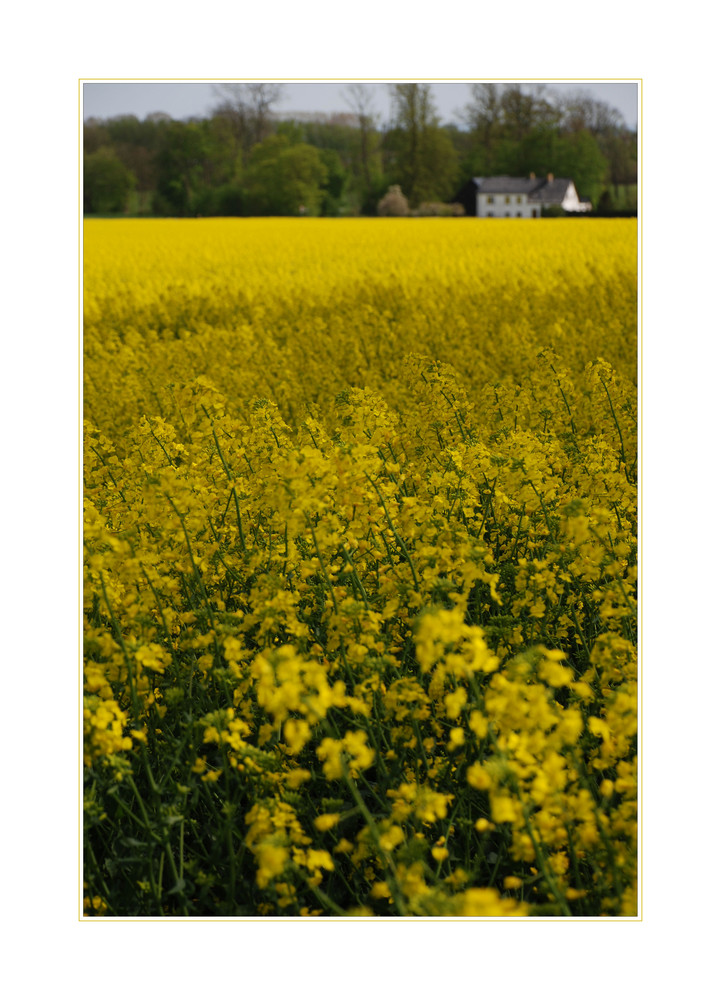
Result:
{"points": [[185, 100]]}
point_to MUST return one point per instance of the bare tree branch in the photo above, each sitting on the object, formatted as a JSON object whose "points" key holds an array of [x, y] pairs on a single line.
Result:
{"points": [[248, 106]]}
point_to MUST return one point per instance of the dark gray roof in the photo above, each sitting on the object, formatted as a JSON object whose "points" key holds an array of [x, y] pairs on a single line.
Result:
{"points": [[537, 188], [554, 190]]}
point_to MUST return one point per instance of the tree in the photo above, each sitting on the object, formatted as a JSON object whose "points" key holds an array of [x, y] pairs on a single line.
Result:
{"points": [[580, 111], [537, 152], [95, 135], [547, 151], [284, 179], [483, 120], [517, 110], [181, 162], [248, 108], [106, 182], [580, 158], [621, 151], [423, 157], [359, 98], [222, 163], [482, 115], [500, 119], [334, 186]]}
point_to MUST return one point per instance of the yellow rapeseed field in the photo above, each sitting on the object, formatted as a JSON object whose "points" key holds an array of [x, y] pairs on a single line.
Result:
{"points": [[360, 567]]}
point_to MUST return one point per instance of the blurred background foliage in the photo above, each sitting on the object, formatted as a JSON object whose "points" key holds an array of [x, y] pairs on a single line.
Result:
{"points": [[248, 159]]}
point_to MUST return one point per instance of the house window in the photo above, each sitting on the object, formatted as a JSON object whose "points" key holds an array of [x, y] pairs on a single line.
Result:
{"points": [[508, 215], [489, 199], [490, 215], [518, 215], [518, 200], [508, 199]]}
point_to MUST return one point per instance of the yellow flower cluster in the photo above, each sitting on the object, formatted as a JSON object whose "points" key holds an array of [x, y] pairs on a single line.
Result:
{"points": [[360, 567]]}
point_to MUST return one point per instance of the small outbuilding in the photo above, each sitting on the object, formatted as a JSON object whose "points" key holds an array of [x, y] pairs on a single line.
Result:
{"points": [[519, 197]]}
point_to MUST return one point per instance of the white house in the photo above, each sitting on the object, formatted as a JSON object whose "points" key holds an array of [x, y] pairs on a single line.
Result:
{"points": [[519, 197]]}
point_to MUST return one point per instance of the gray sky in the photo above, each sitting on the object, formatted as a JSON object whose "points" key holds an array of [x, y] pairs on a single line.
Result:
{"points": [[185, 100]]}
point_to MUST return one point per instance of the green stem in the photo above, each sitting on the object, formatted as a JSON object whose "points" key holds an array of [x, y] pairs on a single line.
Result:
{"points": [[389, 867], [397, 537], [613, 414]]}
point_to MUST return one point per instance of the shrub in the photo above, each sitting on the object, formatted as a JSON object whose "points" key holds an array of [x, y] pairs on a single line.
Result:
{"points": [[439, 208], [393, 203]]}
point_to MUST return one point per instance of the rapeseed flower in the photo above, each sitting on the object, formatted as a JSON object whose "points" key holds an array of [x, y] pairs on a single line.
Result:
{"points": [[376, 577]]}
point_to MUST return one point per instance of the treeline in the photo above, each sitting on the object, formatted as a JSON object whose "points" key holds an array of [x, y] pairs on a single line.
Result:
{"points": [[247, 159]]}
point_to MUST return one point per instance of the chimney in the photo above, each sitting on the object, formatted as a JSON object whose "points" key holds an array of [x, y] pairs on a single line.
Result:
{"points": [[550, 178], [533, 176]]}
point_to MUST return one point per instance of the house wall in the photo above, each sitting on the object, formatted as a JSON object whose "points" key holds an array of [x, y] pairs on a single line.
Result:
{"points": [[517, 206], [572, 203]]}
